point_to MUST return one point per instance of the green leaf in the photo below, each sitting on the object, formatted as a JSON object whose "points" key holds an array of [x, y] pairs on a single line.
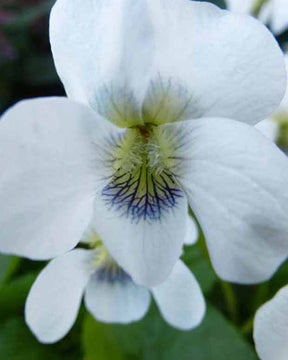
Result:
{"points": [[200, 267], [13, 295], [17, 343], [8, 264], [152, 338], [99, 342]]}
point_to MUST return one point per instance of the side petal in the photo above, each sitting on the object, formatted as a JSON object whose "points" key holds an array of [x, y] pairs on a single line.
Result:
{"points": [[103, 52], [48, 152], [271, 328], [236, 183], [146, 248], [55, 297], [118, 301], [192, 232], [212, 62], [180, 299]]}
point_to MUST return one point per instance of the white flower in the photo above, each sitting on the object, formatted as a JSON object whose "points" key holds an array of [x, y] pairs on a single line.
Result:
{"points": [[182, 83], [273, 12], [271, 127], [109, 292], [271, 328]]}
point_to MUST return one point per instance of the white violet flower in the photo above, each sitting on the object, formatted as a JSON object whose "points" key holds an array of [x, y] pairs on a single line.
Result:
{"points": [[271, 328], [110, 294], [169, 93]]}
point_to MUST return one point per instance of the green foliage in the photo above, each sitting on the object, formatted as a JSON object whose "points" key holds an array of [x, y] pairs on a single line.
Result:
{"points": [[16, 343], [152, 338]]}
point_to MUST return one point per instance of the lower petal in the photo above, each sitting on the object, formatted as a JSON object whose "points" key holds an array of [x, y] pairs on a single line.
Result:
{"points": [[116, 300], [180, 299], [147, 248], [236, 183], [55, 297], [271, 328]]}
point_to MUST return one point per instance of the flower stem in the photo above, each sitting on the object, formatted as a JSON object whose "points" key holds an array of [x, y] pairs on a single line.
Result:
{"points": [[230, 299], [247, 327]]}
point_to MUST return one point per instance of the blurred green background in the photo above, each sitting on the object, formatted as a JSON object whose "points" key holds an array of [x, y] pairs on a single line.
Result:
{"points": [[27, 70]]}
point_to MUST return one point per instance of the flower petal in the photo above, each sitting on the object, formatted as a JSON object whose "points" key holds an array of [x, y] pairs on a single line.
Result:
{"points": [[271, 328], [192, 232], [214, 62], [180, 299], [145, 248], [236, 183], [48, 175], [119, 301], [103, 52], [55, 297]]}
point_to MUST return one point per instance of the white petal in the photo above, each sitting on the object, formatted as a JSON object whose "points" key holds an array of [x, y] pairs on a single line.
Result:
{"points": [[55, 297], [146, 249], [219, 63], [283, 108], [236, 183], [192, 232], [116, 301], [269, 128], [48, 176], [180, 299], [271, 328], [103, 51]]}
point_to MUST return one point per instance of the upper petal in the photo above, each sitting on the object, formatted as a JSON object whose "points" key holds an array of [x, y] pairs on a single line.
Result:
{"points": [[118, 301], [103, 51], [55, 297], [236, 183], [271, 328], [180, 299], [48, 176], [211, 62]]}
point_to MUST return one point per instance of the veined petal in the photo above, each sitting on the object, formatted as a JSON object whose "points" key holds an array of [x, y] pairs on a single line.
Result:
{"points": [[145, 246], [55, 297], [212, 62], [180, 299], [236, 183], [103, 51], [192, 232], [49, 151], [116, 300], [271, 328]]}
